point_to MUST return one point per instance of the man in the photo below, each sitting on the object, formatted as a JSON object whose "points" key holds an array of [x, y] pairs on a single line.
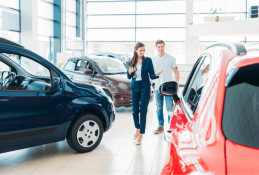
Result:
{"points": [[168, 64]]}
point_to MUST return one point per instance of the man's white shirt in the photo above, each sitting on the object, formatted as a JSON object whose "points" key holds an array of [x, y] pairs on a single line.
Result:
{"points": [[166, 62]]}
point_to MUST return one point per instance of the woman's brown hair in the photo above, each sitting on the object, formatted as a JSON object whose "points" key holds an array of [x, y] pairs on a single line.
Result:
{"points": [[134, 59]]}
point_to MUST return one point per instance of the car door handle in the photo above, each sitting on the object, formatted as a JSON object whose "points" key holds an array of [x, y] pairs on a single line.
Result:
{"points": [[71, 76]]}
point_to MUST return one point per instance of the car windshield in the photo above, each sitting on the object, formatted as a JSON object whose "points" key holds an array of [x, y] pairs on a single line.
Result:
{"points": [[111, 66], [124, 57]]}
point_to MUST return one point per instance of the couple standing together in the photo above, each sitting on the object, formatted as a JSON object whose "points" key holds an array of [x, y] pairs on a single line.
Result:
{"points": [[141, 71]]}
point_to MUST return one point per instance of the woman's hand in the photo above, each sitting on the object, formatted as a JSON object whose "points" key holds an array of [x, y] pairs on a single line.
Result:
{"points": [[131, 70], [161, 71]]}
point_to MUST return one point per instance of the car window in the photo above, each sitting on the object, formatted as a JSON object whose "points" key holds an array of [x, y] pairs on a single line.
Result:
{"points": [[81, 66], [3, 67], [13, 57], [33, 67], [70, 66], [197, 83], [240, 121], [38, 78], [191, 75]]}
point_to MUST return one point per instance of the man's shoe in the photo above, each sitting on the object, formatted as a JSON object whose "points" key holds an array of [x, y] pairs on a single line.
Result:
{"points": [[159, 130]]}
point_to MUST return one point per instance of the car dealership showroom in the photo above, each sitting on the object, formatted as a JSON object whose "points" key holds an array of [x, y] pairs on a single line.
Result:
{"points": [[129, 87]]}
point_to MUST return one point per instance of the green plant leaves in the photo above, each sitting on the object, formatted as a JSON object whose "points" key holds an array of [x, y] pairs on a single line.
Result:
{"points": [[215, 12]]}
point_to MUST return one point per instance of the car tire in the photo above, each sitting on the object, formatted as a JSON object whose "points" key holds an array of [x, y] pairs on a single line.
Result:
{"points": [[85, 134]]}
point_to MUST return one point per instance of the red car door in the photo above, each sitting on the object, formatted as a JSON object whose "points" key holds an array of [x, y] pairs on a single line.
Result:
{"points": [[199, 146], [240, 123]]}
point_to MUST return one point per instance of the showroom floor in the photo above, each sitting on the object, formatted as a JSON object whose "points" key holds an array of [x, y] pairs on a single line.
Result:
{"points": [[116, 155]]}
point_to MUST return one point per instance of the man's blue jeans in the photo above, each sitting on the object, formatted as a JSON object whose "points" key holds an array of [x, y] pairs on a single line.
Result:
{"points": [[160, 104]]}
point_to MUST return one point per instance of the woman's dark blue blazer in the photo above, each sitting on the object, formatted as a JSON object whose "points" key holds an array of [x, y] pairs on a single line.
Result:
{"points": [[147, 69]]}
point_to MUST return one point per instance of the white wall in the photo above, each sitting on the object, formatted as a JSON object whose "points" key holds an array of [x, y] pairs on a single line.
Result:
{"points": [[191, 42]]}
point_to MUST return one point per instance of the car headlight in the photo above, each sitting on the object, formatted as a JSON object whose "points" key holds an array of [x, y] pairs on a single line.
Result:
{"points": [[123, 86], [100, 90]]}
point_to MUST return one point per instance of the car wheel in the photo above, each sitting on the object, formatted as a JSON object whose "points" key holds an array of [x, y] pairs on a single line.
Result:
{"points": [[85, 134]]}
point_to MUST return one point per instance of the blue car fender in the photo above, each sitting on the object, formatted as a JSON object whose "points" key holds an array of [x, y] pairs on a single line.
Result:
{"points": [[85, 104]]}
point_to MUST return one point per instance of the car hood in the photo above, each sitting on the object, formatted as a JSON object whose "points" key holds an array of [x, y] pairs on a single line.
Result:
{"points": [[119, 78], [85, 86]]}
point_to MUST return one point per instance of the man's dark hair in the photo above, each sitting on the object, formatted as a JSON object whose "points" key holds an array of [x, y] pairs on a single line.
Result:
{"points": [[159, 42]]}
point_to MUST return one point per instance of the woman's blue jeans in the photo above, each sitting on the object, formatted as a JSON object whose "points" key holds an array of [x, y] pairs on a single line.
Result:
{"points": [[139, 92], [160, 104]]}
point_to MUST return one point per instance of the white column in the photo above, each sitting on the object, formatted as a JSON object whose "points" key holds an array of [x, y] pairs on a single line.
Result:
{"points": [[191, 42], [29, 24]]}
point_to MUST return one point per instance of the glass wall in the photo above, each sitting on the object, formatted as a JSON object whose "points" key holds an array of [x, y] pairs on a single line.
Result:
{"points": [[240, 11], [73, 27], [10, 11], [115, 26], [49, 17]]}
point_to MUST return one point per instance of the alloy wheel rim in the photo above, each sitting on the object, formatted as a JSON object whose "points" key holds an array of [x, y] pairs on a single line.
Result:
{"points": [[88, 133]]}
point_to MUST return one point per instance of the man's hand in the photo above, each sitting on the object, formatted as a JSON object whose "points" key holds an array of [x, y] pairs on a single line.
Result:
{"points": [[161, 71], [131, 70]]}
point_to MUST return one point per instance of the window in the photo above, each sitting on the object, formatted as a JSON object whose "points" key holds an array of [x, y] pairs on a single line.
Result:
{"points": [[3, 67], [27, 74], [70, 66], [10, 11], [10, 3], [239, 11], [111, 8], [72, 18], [82, 66], [33, 67], [117, 25], [241, 107], [110, 66], [197, 83], [111, 34], [49, 22]]}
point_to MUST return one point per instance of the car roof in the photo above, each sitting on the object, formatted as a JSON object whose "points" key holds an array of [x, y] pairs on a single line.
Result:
{"points": [[90, 57], [237, 48], [104, 53], [5, 41]]}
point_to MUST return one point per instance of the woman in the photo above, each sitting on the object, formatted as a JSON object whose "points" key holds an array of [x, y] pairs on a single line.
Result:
{"points": [[140, 70]]}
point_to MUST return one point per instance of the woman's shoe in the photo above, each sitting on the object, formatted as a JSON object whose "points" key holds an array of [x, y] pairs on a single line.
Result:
{"points": [[139, 142], [135, 138]]}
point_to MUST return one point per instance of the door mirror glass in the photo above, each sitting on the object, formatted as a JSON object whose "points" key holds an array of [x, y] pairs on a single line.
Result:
{"points": [[56, 83], [4, 74], [168, 88]]}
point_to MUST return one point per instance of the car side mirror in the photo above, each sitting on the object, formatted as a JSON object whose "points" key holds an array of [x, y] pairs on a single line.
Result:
{"points": [[169, 89], [88, 71], [4, 74], [56, 84]]}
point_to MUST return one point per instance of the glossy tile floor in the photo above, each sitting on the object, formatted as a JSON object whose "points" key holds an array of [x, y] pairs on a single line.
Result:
{"points": [[116, 154]]}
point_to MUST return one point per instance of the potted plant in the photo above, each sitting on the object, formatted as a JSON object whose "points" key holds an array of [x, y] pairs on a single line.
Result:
{"points": [[215, 12]]}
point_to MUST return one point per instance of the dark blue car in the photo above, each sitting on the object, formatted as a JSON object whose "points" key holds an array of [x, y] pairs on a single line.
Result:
{"points": [[39, 104]]}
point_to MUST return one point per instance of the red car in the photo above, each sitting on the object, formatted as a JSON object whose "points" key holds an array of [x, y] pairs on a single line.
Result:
{"points": [[214, 127]]}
